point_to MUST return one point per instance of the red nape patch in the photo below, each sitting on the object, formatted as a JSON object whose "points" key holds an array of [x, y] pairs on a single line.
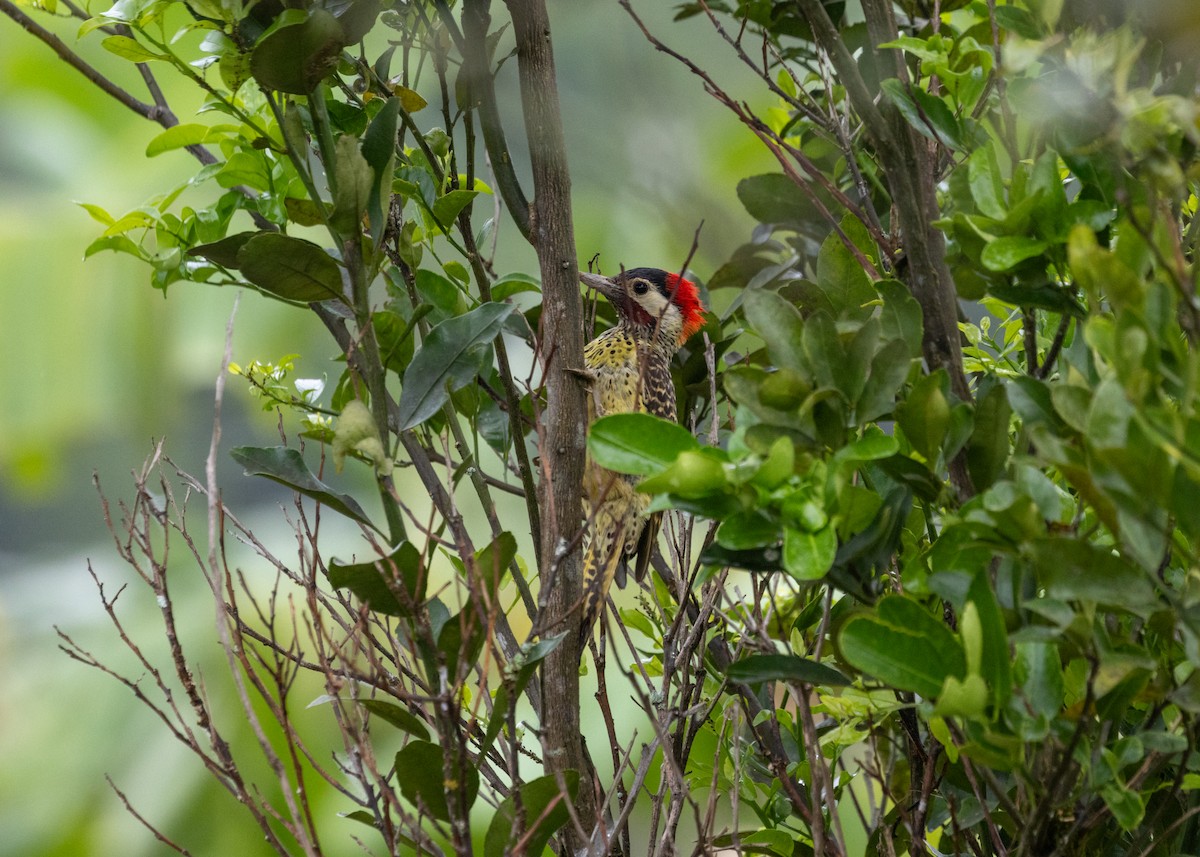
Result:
{"points": [[685, 296]]}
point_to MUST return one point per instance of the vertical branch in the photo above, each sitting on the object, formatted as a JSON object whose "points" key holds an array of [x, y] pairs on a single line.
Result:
{"points": [[909, 165], [563, 439]]}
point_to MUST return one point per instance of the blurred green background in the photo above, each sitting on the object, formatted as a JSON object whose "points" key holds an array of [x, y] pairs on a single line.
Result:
{"points": [[95, 366]]}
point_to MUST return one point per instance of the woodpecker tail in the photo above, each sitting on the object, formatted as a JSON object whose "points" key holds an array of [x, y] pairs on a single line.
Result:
{"points": [[605, 552], [616, 529]]}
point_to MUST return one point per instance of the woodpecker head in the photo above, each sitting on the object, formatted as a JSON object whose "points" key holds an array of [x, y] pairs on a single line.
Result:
{"points": [[664, 305]]}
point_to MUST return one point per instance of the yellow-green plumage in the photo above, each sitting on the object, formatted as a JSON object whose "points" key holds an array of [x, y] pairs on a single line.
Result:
{"points": [[628, 370]]}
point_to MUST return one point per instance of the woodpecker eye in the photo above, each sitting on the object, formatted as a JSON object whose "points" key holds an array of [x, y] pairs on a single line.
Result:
{"points": [[641, 287]]}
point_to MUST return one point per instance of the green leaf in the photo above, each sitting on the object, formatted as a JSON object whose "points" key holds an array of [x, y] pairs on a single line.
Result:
{"points": [[809, 555], [1039, 673], [460, 640], [962, 697], [512, 284], [903, 645], [401, 718], [234, 67], [448, 206], [901, 315], [995, 663], [129, 49], [987, 188], [989, 446], [544, 811], [290, 268], [379, 149], [925, 415], [693, 475], [180, 136], [116, 243], [638, 444], [745, 530], [840, 273], [1077, 571], [297, 57], [889, 370], [369, 581], [927, 113], [420, 775], [353, 182], [780, 326], [287, 467], [1005, 253], [757, 669], [1127, 806], [448, 359], [494, 560]]}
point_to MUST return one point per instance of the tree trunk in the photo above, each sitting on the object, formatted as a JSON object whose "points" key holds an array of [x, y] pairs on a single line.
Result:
{"points": [[564, 421]]}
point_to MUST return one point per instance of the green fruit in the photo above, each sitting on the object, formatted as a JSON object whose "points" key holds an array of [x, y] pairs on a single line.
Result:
{"points": [[783, 390]]}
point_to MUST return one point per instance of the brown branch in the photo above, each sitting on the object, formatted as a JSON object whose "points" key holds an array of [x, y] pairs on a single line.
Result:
{"points": [[483, 97], [158, 834], [563, 447]]}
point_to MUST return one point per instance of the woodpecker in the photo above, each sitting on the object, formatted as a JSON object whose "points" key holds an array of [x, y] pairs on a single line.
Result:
{"points": [[628, 368]]}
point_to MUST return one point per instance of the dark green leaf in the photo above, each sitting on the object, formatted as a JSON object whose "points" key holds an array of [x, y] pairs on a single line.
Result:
{"points": [[756, 669], [290, 268], [224, 252], [544, 810], [297, 57], [369, 581], [639, 444], [765, 559], [461, 639], [773, 198], [287, 467], [494, 560], [1018, 20], [420, 775], [447, 360], [1030, 398], [399, 717], [357, 17]]}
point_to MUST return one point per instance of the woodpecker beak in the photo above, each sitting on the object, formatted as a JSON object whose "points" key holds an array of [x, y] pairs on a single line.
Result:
{"points": [[603, 285]]}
